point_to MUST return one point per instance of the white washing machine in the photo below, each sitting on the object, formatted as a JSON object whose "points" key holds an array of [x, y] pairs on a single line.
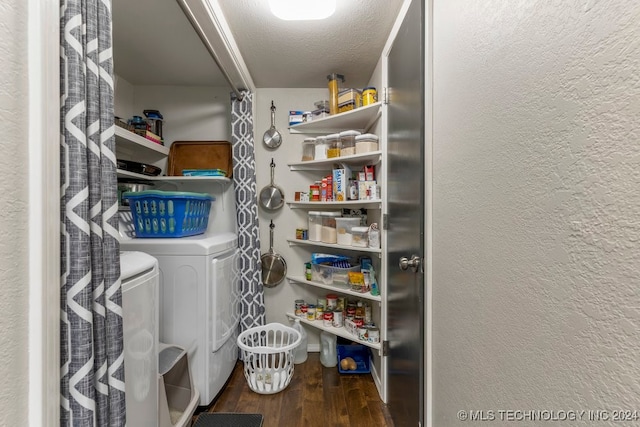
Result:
{"points": [[139, 276], [199, 302]]}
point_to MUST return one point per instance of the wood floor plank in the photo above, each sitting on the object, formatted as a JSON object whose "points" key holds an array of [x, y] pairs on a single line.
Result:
{"points": [[357, 406], [316, 397]]}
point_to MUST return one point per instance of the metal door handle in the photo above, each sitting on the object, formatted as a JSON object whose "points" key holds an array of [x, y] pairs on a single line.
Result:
{"points": [[414, 263]]}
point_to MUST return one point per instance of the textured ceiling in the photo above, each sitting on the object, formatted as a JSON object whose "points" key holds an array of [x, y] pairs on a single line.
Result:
{"points": [[298, 54], [155, 44]]}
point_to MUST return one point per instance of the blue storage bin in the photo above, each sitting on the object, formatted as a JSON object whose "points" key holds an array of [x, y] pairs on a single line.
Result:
{"points": [[169, 213], [360, 353]]}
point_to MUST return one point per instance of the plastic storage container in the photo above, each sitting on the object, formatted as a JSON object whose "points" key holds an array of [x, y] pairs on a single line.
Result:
{"points": [[169, 213], [346, 106], [308, 149], [329, 274], [320, 148], [315, 226], [333, 145], [322, 105], [369, 96], [329, 233], [335, 81], [350, 95], [359, 237], [348, 142], [360, 353], [343, 230], [366, 143]]}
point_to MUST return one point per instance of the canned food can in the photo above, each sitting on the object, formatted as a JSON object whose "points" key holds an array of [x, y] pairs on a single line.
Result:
{"points": [[338, 319], [298, 307], [300, 233], [303, 310], [322, 302], [359, 323], [373, 336], [341, 303], [362, 333], [351, 312], [314, 190], [319, 312], [332, 301], [367, 313], [311, 312], [328, 318]]}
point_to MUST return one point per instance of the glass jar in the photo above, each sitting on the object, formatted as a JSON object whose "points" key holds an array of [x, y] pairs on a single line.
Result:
{"points": [[333, 145], [334, 83], [348, 142], [308, 149], [320, 148]]}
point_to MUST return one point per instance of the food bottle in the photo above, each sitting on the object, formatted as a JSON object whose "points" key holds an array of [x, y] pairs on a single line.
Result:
{"points": [[300, 352]]}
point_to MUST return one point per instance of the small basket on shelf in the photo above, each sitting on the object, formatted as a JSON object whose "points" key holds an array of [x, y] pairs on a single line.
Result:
{"points": [[169, 213], [267, 352]]}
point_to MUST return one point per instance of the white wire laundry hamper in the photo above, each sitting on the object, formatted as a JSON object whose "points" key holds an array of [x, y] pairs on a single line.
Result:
{"points": [[267, 352]]}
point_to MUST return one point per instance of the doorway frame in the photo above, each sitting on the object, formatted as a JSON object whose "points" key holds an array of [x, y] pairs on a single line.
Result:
{"points": [[428, 196], [43, 64]]}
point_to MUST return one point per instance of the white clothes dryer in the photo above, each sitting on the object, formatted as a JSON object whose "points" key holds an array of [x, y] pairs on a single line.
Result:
{"points": [[199, 302]]}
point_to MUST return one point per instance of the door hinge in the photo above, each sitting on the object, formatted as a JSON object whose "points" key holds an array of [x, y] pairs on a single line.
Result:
{"points": [[385, 348], [385, 221], [385, 96]]}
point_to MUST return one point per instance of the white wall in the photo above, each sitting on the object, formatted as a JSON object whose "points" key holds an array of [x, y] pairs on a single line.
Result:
{"points": [[280, 299], [536, 207], [14, 304]]}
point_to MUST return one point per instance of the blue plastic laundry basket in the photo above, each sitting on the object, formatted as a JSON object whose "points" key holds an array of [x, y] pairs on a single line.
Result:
{"points": [[169, 213]]}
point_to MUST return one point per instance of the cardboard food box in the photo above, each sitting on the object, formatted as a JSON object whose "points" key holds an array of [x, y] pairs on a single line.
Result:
{"points": [[340, 183]]}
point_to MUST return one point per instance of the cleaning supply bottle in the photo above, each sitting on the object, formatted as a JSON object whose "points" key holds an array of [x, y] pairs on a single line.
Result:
{"points": [[300, 352], [328, 355]]}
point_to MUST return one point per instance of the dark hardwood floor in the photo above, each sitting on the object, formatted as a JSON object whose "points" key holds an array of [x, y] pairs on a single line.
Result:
{"points": [[316, 397]]}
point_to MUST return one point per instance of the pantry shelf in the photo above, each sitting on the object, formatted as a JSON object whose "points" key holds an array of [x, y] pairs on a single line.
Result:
{"points": [[346, 204], [172, 179], [341, 332], [129, 141], [132, 175], [179, 179], [360, 119], [293, 242], [339, 289], [371, 158]]}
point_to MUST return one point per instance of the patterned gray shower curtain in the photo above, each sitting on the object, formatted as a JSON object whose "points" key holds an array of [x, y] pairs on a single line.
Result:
{"points": [[91, 338], [244, 179]]}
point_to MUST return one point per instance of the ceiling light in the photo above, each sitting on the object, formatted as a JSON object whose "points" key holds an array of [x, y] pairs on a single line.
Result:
{"points": [[296, 10]]}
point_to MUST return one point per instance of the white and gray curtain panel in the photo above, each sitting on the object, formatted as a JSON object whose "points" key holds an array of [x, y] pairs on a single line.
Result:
{"points": [[244, 179], [92, 359]]}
